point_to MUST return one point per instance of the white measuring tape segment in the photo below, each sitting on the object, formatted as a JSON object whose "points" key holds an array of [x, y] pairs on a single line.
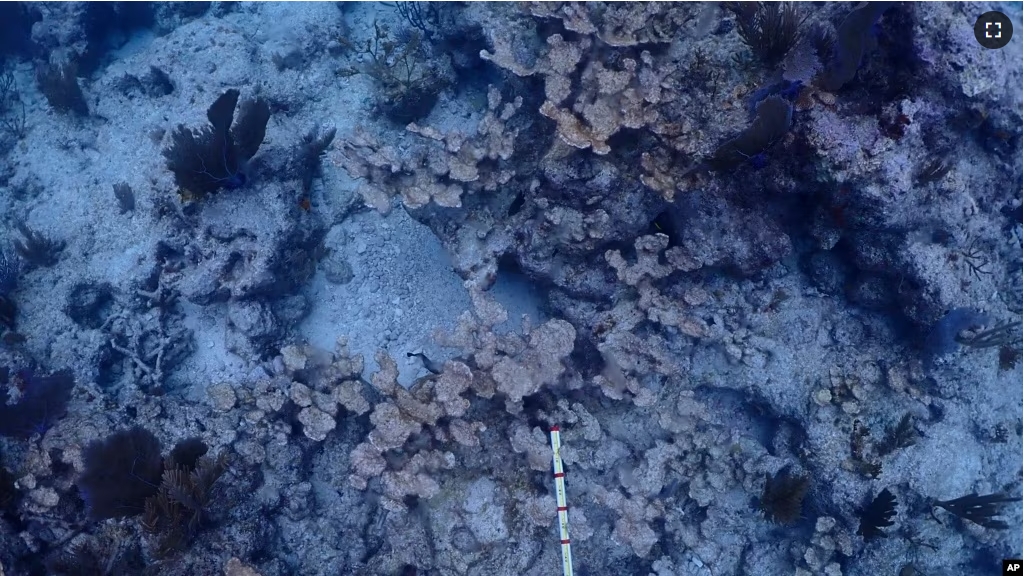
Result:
{"points": [[563, 510]]}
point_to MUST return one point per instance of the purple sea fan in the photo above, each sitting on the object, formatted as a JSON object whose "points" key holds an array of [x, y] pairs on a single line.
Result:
{"points": [[43, 401], [121, 472]]}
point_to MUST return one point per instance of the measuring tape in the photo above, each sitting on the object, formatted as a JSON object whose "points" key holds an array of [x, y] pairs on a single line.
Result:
{"points": [[563, 510]]}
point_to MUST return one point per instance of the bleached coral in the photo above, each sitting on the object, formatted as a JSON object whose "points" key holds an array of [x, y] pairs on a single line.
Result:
{"points": [[234, 567], [538, 364], [618, 25], [517, 365], [828, 541], [405, 413], [606, 100], [532, 442], [414, 479], [434, 167], [330, 379], [632, 528]]}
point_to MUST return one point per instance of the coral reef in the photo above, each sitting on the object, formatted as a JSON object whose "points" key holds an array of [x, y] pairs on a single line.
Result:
{"points": [[758, 263]]}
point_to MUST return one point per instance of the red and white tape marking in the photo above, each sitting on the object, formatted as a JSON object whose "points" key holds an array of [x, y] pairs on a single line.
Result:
{"points": [[563, 509]]}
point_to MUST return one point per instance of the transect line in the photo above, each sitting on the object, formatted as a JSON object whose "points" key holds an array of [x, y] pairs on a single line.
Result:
{"points": [[563, 509]]}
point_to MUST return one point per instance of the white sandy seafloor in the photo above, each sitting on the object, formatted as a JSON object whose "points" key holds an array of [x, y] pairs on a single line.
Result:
{"points": [[653, 494]]}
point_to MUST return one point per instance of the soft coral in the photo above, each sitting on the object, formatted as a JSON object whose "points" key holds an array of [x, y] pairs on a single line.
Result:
{"points": [[213, 157], [43, 401]]}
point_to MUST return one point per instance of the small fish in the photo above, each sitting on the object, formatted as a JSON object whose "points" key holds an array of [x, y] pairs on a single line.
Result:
{"points": [[427, 362]]}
